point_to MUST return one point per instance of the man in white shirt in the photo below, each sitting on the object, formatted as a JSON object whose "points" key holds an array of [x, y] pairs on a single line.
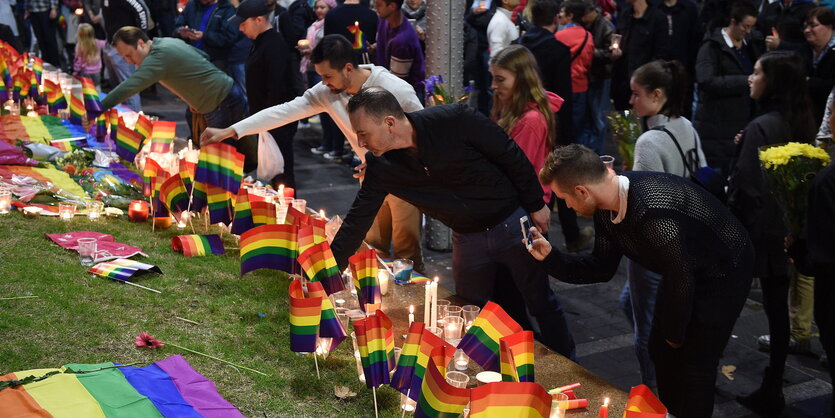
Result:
{"points": [[502, 31], [397, 223]]}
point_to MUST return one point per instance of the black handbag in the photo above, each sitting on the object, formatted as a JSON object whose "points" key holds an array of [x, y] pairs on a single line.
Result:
{"points": [[706, 177]]}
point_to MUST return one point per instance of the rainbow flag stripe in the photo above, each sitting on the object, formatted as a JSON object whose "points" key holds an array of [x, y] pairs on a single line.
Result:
{"points": [[295, 217], [113, 121], [167, 388], [65, 145], [150, 176], [18, 91], [330, 326], [101, 127], [269, 246], [198, 245], [437, 397], [305, 315], [143, 126], [37, 67], [76, 109], [33, 87], [4, 92], [54, 96], [402, 379], [364, 270], [320, 266], [91, 96], [174, 194], [371, 343], [503, 399], [516, 357], [128, 141], [220, 165], [5, 75], [263, 213], [428, 342], [359, 37], [242, 221], [481, 342], [162, 137], [388, 326], [642, 403], [220, 205], [121, 269]]}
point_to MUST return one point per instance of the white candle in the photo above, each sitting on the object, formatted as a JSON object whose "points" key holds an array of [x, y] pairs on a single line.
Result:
{"points": [[411, 315], [434, 309], [427, 300], [383, 278]]}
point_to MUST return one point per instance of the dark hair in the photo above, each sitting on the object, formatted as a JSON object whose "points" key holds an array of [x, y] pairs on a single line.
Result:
{"points": [[742, 9], [377, 103], [543, 12], [577, 9], [572, 165], [824, 15], [129, 35], [398, 2], [336, 50], [786, 89], [670, 77]]}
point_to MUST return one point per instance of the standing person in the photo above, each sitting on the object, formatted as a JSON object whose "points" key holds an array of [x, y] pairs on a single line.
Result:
{"points": [[658, 97], [270, 80], [676, 229], [501, 30], [581, 44], [819, 54], [342, 19], [600, 76], [778, 84], [164, 13], [644, 31], [459, 168], [398, 48], [42, 15], [204, 25], [93, 16], [684, 34], [336, 62], [478, 15], [87, 62], [415, 10], [782, 23], [725, 60], [118, 14]]}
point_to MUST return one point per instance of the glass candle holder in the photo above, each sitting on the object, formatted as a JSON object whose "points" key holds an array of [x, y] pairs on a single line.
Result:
{"points": [[457, 379], [442, 304], [66, 211], [384, 277], [461, 360], [299, 204], [559, 404], [453, 325], [470, 313], [5, 201], [407, 404], [87, 251], [402, 268], [138, 211], [452, 310], [342, 314], [95, 209]]}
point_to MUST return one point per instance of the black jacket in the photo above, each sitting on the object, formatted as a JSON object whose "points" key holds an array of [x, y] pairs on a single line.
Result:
{"points": [[219, 36], [644, 40], [554, 60], [683, 23], [601, 64], [788, 21], [725, 106], [119, 13], [269, 78], [466, 172], [821, 79]]}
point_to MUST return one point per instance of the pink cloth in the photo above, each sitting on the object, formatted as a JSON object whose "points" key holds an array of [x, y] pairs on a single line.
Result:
{"points": [[315, 27], [107, 247], [81, 66], [531, 134], [572, 37], [12, 155]]}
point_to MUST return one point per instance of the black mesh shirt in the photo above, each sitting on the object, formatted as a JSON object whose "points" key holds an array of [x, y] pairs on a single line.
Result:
{"points": [[678, 230]]}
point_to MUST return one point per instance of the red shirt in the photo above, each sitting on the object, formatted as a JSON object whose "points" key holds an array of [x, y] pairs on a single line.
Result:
{"points": [[531, 134], [572, 37]]}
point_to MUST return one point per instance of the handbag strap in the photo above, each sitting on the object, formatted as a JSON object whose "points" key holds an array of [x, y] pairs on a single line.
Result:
{"points": [[583, 45], [678, 147]]}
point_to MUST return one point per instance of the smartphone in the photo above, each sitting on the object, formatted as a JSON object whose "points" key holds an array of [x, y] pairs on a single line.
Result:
{"points": [[526, 226]]}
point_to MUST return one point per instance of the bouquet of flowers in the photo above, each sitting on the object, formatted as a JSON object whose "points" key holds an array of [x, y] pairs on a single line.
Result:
{"points": [[790, 169], [626, 128], [437, 93]]}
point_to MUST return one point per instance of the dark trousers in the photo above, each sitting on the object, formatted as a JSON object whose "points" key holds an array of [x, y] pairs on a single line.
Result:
{"points": [[283, 136], [44, 30], [568, 221], [825, 318], [776, 305], [481, 259]]}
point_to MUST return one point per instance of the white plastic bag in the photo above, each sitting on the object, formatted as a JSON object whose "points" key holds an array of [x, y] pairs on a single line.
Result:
{"points": [[270, 160]]}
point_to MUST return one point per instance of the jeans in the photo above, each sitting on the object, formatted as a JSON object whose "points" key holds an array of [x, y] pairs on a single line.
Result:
{"points": [[229, 111], [580, 104], [238, 73], [121, 70], [643, 289], [597, 106], [479, 257]]}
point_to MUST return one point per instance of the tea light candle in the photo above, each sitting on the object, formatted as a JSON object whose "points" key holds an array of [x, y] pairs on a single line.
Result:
{"points": [[604, 409], [94, 210], [488, 377], [138, 211], [32, 211], [66, 211], [461, 360]]}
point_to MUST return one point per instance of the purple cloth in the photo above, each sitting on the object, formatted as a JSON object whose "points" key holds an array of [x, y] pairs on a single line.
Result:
{"points": [[12, 155], [396, 47], [198, 391]]}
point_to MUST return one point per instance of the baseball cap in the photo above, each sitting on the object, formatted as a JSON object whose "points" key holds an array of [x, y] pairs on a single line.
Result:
{"points": [[248, 9]]}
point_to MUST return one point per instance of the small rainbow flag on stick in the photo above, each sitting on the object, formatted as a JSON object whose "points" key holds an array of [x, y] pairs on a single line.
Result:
{"points": [[67, 145], [197, 245], [295, 217], [320, 266], [305, 315], [91, 97], [143, 126], [242, 221], [173, 194], [163, 136], [220, 205], [642, 403], [437, 397], [481, 342], [359, 37], [113, 121], [269, 246], [364, 270], [220, 165], [122, 269], [516, 355], [503, 399], [330, 326], [4, 92], [263, 213], [76, 110], [371, 343], [411, 369], [150, 176], [54, 96], [128, 142]]}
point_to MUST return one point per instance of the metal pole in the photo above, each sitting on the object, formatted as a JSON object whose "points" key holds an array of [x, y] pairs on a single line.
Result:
{"points": [[445, 42]]}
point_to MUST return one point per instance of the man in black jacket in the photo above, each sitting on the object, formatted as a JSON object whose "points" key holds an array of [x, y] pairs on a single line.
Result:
{"points": [[458, 167], [269, 78]]}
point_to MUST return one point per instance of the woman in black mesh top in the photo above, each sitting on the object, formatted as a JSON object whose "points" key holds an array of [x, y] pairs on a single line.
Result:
{"points": [[674, 228]]}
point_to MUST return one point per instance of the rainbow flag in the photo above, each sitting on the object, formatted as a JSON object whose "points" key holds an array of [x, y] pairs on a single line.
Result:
{"points": [[4, 92], [170, 388], [516, 399], [481, 342], [388, 326], [330, 326], [359, 38], [311, 234], [414, 356], [220, 205], [143, 126], [197, 245], [269, 246], [295, 217], [150, 176], [128, 141], [158, 209], [163, 136], [516, 357], [187, 173], [263, 213], [305, 315], [121, 269], [18, 92], [37, 67], [437, 397], [101, 127], [113, 121], [242, 221], [320, 266], [34, 93], [66, 145], [91, 97], [371, 343], [54, 96], [364, 271], [220, 165], [173, 194], [76, 110], [642, 403], [5, 75]]}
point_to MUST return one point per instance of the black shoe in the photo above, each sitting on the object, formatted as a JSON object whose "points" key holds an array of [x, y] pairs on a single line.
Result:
{"points": [[795, 346], [768, 400]]}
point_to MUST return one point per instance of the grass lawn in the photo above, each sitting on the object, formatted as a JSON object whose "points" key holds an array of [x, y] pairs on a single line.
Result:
{"points": [[80, 318]]}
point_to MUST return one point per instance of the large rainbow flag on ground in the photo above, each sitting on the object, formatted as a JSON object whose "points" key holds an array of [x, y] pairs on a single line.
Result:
{"points": [[364, 270], [128, 141], [371, 343], [330, 326], [481, 342], [173, 194], [320, 266], [220, 165], [505, 399], [642, 403], [437, 397], [91, 97], [269, 246], [305, 315], [516, 357], [162, 137], [197, 245], [167, 388], [242, 221]]}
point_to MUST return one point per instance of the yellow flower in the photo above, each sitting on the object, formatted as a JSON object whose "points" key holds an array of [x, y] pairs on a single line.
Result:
{"points": [[774, 157]]}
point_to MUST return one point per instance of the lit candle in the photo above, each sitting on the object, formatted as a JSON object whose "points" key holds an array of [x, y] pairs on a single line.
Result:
{"points": [[434, 310], [383, 278], [461, 360], [427, 300], [138, 211], [66, 211], [322, 214], [411, 314], [303, 43], [604, 409]]}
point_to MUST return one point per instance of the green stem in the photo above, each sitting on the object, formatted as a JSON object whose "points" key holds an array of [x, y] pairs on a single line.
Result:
{"points": [[19, 297], [215, 358]]}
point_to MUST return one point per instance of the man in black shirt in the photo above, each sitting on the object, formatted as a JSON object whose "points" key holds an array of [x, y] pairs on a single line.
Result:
{"points": [[458, 167], [341, 21], [645, 38], [672, 227]]}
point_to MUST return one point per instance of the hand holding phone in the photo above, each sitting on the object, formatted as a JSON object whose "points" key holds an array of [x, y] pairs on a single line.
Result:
{"points": [[526, 226]]}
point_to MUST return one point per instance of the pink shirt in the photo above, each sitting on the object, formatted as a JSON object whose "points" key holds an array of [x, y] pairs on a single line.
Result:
{"points": [[81, 66], [531, 134]]}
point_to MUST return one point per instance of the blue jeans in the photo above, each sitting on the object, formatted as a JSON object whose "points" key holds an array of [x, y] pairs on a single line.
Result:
{"points": [[591, 134], [229, 111], [238, 73], [641, 291], [333, 139], [580, 110], [479, 257], [121, 70]]}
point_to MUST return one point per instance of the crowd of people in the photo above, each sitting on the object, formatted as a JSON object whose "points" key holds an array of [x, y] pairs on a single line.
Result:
{"points": [[712, 81]]}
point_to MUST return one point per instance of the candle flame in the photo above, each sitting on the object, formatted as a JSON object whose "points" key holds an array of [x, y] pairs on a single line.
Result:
{"points": [[356, 23], [322, 213], [606, 402], [436, 279]]}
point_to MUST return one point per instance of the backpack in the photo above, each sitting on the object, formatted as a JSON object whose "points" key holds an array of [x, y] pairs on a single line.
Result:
{"points": [[706, 177]]}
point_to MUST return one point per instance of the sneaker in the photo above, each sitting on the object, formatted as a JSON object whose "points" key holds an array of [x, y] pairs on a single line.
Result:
{"points": [[332, 156], [319, 150], [795, 346], [586, 235]]}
